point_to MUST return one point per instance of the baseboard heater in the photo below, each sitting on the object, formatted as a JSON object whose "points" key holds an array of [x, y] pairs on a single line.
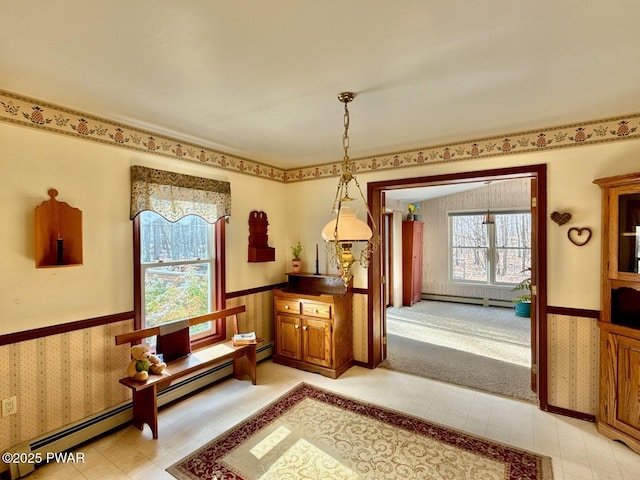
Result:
{"points": [[91, 427], [487, 302]]}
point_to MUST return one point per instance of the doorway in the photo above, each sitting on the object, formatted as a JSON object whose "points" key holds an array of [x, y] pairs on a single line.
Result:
{"points": [[377, 289]]}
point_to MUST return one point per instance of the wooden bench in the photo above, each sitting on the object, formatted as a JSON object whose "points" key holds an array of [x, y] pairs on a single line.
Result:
{"points": [[145, 403]]}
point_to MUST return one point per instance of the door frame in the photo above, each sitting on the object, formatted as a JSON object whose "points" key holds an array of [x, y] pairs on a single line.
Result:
{"points": [[376, 308]]}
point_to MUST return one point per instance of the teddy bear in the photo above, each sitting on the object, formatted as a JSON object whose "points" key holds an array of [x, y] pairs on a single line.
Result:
{"points": [[143, 363]]}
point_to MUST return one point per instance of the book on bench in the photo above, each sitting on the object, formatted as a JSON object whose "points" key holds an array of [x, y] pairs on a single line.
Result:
{"points": [[244, 338]]}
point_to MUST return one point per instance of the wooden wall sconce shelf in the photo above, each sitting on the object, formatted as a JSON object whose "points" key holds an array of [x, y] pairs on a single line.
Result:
{"points": [[58, 233], [259, 249]]}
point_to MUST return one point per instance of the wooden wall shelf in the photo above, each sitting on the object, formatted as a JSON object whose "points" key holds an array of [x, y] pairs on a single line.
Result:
{"points": [[259, 249], [58, 233]]}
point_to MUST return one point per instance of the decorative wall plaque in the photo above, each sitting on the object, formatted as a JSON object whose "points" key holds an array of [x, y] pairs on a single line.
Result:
{"points": [[561, 218], [579, 236]]}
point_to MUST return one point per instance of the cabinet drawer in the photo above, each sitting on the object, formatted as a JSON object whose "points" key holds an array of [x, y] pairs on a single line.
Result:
{"points": [[320, 310], [287, 306]]}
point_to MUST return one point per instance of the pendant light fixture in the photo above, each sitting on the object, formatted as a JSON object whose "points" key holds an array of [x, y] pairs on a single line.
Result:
{"points": [[346, 229], [489, 218]]}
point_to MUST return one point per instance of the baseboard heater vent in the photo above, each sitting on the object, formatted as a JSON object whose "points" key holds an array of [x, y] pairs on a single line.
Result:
{"points": [[91, 427], [487, 302]]}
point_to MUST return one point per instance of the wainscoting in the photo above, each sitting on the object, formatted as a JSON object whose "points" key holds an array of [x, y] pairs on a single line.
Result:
{"points": [[61, 379], [68, 391], [573, 356], [67, 383], [360, 328]]}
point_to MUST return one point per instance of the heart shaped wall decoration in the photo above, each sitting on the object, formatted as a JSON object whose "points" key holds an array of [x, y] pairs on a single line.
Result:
{"points": [[561, 218], [576, 235]]}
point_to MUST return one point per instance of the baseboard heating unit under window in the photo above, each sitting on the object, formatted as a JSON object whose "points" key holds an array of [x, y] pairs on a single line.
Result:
{"points": [[91, 427]]}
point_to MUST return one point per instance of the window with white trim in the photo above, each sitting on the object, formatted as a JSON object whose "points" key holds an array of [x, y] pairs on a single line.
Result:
{"points": [[177, 261], [497, 253], [178, 230]]}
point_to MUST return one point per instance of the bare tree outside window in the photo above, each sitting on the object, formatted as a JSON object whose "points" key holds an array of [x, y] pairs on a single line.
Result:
{"points": [[494, 254], [177, 269]]}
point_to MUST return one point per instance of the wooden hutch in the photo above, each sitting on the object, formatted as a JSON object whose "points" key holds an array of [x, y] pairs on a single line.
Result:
{"points": [[619, 403], [313, 325]]}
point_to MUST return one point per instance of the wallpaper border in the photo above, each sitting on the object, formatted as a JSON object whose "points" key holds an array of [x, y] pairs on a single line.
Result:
{"points": [[24, 111]]}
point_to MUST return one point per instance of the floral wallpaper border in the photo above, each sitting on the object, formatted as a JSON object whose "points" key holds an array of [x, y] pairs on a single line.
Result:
{"points": [[33, 113]]}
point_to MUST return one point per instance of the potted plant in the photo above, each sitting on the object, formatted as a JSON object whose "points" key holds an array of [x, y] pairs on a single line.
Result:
{"points": [[413, 212], [296, 262], [412, 208], [523, 302]]}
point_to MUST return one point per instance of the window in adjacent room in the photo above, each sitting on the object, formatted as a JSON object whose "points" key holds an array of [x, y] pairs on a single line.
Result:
{"points": [[496, 253]]}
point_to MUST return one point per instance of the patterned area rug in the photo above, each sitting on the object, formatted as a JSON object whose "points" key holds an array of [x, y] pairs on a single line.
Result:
{"points": [[312, 433]]}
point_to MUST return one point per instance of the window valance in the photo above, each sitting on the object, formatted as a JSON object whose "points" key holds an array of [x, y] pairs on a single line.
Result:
{"points": [[175, 195]]}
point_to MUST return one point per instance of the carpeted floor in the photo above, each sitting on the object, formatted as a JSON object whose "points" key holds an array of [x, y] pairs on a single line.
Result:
{"points": [[485, 348], [313, 433]]}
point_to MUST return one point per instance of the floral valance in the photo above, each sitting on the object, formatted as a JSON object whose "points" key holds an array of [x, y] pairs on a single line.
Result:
{"points": [[175, 195]]}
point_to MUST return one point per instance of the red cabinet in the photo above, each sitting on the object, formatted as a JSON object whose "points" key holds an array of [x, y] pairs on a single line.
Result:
{"points": [[412, 236]]}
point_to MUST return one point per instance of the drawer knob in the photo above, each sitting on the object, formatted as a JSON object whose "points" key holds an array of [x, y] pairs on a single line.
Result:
{"points": [[286, 307], [315, 310], [297, 326], [305, 327]]}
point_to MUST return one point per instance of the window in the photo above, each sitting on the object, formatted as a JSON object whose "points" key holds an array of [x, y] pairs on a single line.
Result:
{"points": [[176, 269], [493, 254], [179, 268]]}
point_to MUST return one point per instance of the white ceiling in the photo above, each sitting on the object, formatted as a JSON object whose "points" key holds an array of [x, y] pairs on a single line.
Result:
{"points": [[420, 194], [260, 79]]}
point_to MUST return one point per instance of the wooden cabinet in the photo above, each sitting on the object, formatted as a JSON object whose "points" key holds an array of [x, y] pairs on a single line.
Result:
{"points": [[412, 237], [619, 402], [313, 332]]}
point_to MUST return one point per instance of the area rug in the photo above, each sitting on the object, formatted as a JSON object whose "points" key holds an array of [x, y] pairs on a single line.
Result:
{"points": [[312, 433]]}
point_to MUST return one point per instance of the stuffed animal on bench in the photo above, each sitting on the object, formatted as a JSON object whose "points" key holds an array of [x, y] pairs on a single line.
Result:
{"points": [[143, 363]]}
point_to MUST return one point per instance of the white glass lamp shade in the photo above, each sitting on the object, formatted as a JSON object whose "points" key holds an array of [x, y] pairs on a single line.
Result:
{"points": [[350, 229]]}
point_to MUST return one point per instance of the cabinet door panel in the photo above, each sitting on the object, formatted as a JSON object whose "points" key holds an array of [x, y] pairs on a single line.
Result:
{"points": [[288, 336], [628, 408], [316, 338]]}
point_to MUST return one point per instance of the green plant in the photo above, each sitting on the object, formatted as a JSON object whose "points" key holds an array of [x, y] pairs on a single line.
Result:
{"points": [[523, 286], [295, 251]]}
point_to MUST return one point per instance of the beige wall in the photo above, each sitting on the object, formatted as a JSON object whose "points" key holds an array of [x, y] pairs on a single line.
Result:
{"points": [[95, 178]]}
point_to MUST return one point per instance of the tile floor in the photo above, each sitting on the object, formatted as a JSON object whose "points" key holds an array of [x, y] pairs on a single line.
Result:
{"points": [[578, 451]]}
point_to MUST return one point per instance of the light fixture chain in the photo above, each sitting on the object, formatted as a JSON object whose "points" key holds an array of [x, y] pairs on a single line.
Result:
{"points": [[373, 222], [345, 136]]}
